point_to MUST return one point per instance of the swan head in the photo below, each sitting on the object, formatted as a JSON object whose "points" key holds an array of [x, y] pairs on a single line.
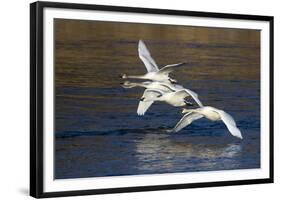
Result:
{"points": [[123, 76], [187, 103]]}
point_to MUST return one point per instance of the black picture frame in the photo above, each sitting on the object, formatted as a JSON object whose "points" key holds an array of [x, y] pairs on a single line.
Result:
{"points": [[37, 98]]}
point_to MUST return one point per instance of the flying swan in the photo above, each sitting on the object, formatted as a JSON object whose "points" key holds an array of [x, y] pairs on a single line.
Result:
{"points": [[153, 72], [155, 89], [210, 113], [149, 85], [176, 99]]}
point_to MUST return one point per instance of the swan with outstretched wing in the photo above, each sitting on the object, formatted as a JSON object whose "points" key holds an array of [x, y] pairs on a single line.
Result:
{"points": [[210, 113], [176, 98], [153, 71]]}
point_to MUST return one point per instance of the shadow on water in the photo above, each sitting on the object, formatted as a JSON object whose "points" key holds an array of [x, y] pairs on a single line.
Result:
{"points": [[113, 132]]}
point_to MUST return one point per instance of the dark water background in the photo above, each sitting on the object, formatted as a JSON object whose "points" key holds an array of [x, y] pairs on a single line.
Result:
{"points": [[98, 132]]}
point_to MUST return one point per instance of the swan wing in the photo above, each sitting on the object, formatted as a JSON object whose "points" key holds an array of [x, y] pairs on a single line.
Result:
{"points": [[186, 92], [230, 124], [169, 68], [153, 93], [187, 119], [181, 94], [146, 58], [144, 105], [194, 96]]}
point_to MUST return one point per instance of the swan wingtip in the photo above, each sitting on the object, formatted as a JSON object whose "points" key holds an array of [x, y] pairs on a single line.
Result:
{"points": [[140, 113]]}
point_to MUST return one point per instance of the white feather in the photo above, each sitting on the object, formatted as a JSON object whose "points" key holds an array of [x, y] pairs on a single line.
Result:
{"points": [[230, 124], [212, 114], [144, 105], [185, 121], [153, 72], [146, 58]]}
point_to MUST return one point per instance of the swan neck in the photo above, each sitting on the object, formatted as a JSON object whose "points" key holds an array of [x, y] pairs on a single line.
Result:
{"points": [[137, 77], [137, 85]]}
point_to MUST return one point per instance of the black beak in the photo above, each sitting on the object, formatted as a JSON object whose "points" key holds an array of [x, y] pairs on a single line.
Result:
{"points": [[188, 103], [142, 99], [172, 81]]}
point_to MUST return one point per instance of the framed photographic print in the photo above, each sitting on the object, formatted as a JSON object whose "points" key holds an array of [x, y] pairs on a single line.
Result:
{"points": [[130, 99]]}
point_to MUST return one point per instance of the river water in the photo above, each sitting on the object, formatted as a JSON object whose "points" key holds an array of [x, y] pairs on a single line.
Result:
{"points": [[97, 130]]}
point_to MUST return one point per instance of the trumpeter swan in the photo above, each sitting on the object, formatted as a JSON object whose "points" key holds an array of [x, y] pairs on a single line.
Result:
{"points": [[153, 72], [210, 113], [176, 99], [164, 87]]}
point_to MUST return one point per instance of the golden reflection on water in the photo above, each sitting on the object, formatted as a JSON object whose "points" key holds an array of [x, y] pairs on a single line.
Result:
{"points": [[93, 53]]}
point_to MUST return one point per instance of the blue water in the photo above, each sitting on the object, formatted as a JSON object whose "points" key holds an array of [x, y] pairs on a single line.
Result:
{"points": [[98, 132], [115, 141]]}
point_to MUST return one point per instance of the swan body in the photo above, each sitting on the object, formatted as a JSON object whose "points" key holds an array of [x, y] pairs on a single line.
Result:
{"points": [[153, 72], [176, 99], [148, 85], [210, 113], [165, 86], [161, 87]]}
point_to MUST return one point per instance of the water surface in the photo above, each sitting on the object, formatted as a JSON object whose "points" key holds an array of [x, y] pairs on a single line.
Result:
{"points": [[98, 132]]}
